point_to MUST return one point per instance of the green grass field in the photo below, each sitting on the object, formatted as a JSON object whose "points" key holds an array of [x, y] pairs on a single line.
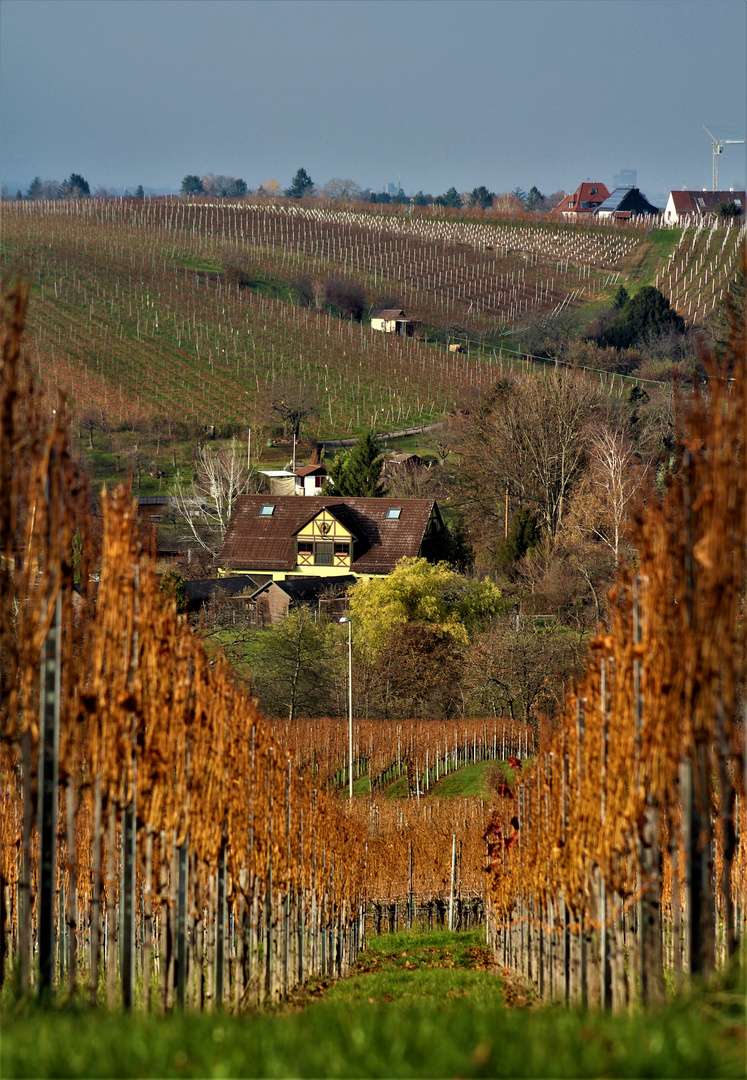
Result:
{"points": [[419, 1005]]}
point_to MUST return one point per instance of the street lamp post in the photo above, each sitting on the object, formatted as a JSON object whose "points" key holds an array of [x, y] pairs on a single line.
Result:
{"points": [[345, 619]]}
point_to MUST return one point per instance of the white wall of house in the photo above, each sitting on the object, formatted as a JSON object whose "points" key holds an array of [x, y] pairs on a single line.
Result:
{"points": [[310, 485], [671, 217]]}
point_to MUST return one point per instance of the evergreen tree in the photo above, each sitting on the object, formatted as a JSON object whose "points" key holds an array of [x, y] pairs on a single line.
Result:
{"points": [[449, 198], [35, 188], [535, 200], [139, 192], [192, 185], [75, 187], [480, 196], [301, 186], [356, 473], [648, 312], [523, 535]]}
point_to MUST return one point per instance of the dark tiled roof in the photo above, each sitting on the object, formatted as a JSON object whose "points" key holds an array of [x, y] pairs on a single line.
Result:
{"points": [[304, 589], [268, 543], [199, 592], [388, 314]]}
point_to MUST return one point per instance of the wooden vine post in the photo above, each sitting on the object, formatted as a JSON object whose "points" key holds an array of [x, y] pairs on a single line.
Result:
{"points": [[48, 751]]}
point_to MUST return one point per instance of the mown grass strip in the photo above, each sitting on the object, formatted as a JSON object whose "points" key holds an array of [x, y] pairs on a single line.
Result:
{"points": [[423, 1005]]}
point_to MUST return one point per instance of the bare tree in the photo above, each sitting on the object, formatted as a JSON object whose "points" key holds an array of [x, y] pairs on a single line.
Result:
{"points": [[205, 506], [529, 438], [336, 188], [293, 404], [92, 421], [519, 668], [615, 477]]}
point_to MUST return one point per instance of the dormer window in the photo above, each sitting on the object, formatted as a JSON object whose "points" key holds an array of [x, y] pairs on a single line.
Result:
{"points": [[594, 191], [393, 513], [267, 510]]}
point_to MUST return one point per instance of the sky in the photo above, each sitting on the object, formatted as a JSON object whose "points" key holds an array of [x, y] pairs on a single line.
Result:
{"points": [[429, 93]]}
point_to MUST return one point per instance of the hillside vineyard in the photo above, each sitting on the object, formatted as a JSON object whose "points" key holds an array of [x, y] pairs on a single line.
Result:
{"points": [[136, 309]]}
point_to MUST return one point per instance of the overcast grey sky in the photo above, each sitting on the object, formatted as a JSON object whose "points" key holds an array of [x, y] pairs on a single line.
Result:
{"points": [[545, 92]]}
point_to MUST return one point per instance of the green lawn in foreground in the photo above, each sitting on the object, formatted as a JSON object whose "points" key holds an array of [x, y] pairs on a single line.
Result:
{"points": [[420, 1005]]}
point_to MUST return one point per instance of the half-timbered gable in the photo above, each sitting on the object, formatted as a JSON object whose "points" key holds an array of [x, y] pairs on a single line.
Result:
{"points": [[283, 535]]}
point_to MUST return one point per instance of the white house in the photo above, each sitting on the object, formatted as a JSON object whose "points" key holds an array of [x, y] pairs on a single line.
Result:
{"points": [[683, 205], [310, 479]]}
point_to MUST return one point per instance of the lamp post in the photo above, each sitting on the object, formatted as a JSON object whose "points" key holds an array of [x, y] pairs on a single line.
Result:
{"points": [[345, 619]]}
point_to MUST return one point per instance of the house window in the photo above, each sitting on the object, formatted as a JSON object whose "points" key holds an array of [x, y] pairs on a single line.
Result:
{"points": [[324, 554], [305, 547], [267, 511], [342, 550], [594, 191], [393, 513]]}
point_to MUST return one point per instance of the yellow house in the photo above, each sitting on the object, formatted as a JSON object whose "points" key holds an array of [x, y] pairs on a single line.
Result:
{"points": [[283, 536]]}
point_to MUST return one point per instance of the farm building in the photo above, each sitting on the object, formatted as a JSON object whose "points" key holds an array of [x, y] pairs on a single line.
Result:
{"points": [[331, 537], [273, 600], [391, 321], [682, 205], [306, 480], [397, 464], [584, 200], [625, 203]]}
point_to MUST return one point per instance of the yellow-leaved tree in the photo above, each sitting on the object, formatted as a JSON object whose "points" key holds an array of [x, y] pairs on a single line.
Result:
{"points": [[418, 591]]}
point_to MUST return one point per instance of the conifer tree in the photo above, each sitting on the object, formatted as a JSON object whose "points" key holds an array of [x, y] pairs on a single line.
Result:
{"points": [[356, 473]]}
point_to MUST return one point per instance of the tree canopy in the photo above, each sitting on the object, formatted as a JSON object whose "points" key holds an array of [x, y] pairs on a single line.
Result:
{"points": [[191, 185], [480, 196], [355, 473], [534, 199], [449, 198], [646, 313], [75, 186], [301, 185], [420, 592]]}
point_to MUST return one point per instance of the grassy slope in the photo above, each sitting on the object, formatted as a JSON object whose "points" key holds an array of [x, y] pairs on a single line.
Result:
{"points": [[469, 780], [421, 1006]]}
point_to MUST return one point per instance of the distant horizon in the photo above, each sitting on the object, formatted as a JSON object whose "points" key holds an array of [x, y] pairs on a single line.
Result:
{"points": [[659, 198], [429, 94]]}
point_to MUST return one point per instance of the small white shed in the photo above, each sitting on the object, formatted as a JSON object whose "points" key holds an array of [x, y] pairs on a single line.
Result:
{"points": [[389, 321]]}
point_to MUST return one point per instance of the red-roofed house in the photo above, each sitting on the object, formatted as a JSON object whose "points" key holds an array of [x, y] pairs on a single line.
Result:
{"points": [[696, 204], [584, 200]]}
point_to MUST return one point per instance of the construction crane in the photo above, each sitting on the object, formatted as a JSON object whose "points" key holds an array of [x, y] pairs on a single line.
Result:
{"points": [[718, 148]]}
